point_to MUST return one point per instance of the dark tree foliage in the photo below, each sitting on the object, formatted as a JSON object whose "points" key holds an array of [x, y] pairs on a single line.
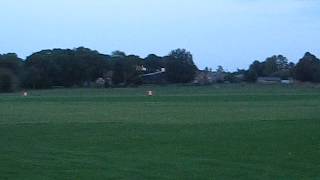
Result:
{"points": [[8, 81], [118, 53], [11, 71], [180, 66], [254, 71], [154, 63], [277, 66], [12, 62], [308, 68], [274, 66], [251, 76], [235, 77], [126, 69], [64, 67], [79, 67], [82, 67], [91, 63]]}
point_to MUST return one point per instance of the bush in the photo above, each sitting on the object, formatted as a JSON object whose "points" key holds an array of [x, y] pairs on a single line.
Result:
{"points": [[8, 81]]}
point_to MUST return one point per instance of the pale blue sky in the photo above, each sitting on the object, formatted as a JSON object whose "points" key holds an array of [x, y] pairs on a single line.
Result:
{"points": [[231, 33]]}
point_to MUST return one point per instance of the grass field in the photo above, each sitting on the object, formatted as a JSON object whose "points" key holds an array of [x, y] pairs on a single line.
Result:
{"points": [[214, 132]]}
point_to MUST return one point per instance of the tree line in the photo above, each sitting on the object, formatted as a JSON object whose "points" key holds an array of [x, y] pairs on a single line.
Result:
{"points": [[81, 66], [306, 70]]}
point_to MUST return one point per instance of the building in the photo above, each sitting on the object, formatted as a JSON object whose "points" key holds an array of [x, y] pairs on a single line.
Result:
{"points": [[269, 80], [289, 81], [208, 77]]}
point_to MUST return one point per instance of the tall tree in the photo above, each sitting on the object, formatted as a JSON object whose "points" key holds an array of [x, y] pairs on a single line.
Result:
{"points": [[126, 69], [255, 70], [180, 66], [308, 68]]}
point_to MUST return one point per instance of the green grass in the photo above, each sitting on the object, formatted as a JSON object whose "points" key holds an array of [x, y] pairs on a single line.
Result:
{"points": [[214, 132]]}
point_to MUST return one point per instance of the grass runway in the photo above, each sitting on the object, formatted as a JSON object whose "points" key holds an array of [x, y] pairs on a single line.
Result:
{"points": [[213, 132]]}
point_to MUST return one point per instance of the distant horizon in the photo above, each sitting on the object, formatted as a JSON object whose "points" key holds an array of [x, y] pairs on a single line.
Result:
{"points": [[229, 33]]}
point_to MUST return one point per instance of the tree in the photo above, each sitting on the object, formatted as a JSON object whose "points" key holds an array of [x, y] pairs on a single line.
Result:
{"points": [[220, 74], [153, 63], [8, 81], [118, 53], [12, 62], [12, 67], [274, 66], [308, 68], [92, 64], [180, 67], [255, 69], [65, 67], [269, 66], [132, 70], [251, 76], [42, 69], [282, 63], [220, 69], [126, 70]]}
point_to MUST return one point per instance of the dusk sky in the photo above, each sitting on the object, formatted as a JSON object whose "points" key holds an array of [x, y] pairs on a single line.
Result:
{"points": [[231, 33]]}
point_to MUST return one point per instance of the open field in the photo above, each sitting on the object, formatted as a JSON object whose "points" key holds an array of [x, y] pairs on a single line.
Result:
{"points": [[216, 132]]}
